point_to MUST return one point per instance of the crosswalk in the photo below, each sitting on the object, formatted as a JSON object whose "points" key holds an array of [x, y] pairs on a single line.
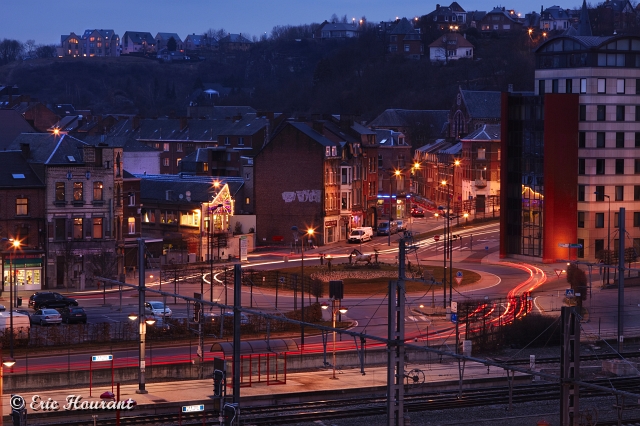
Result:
{"points": [[417, 318]]}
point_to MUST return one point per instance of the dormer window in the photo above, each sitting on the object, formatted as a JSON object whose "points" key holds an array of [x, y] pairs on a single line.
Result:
{"points": [[327, 151], [334, 151]]}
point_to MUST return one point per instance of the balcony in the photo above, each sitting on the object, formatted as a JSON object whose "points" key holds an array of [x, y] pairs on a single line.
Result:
{"points": [[481, 183]]}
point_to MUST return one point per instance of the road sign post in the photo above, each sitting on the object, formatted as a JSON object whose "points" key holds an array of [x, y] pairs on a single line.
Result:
{"points": [[99, 358], [459, 277]]}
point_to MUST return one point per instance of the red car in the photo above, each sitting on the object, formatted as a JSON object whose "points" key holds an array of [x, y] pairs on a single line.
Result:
{"points": [[417, 212]]}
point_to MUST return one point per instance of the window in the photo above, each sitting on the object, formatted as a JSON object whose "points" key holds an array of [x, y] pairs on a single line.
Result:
{"points": [[620, 85], [637, 112], [191, 218], [59, 191], [541, 85], [599, 220], [581, 191], [619, 112], [600, 140], [344, 175], [583, 113], [406, 47], [131, 225], [77, 191], [60, 232], [637, 140], [227, 141], [582, 139], [334, 151], [581, 167], [581, 216], [637, 86], [97, 227], [77, 228], [156, 145], [165, 162], [554, 85], [636, 166], [481, 154], [583, 85], [599, 245], [568, 86], [602, 85], [581, 248], [179, 147], [132, 198], [97, 191], [619, 193], [636, 193], [600, 166], [393, 38], [600, 115], [636, 219], [178, 160], [619, 139], [619, 166], [247, 200], [165, 147], [205, 167], [616, 220], [599, 193], [241, 141], [327, 151], [22, 207]]}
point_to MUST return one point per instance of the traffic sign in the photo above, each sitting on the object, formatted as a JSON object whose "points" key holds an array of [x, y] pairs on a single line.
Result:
{"points": [[454, 318], [569, 292], [454, 307], [459, 277], [436, 237]]}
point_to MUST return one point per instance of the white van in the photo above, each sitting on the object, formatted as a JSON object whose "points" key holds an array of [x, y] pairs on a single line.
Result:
{"points": [[21, 324], [360, 235]]}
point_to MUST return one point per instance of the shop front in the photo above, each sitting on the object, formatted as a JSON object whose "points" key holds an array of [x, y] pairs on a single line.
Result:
{"points": [[27, 270], [331, 230]]}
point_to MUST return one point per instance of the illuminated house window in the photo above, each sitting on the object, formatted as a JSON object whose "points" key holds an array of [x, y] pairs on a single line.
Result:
{"points": [[22, 207], [131, 224]]}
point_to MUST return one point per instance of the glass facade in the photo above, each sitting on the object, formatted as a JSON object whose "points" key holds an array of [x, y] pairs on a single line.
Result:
{"points": [[524, 174]]}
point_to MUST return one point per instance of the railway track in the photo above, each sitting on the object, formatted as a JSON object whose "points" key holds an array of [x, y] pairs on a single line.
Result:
{"points": [[363, 407]]}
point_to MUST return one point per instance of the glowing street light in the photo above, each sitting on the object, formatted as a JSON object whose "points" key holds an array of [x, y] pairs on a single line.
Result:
{"points": [[342, 310]]}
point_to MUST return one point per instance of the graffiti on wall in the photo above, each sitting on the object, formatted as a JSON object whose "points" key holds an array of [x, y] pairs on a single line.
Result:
{"points": [[304, 196]]}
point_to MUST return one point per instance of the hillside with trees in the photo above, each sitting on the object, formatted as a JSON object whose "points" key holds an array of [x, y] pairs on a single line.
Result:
{"points": [[284, 73]]}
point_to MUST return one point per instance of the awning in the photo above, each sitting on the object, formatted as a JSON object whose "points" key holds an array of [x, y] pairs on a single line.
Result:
{"points": [[256, 347]]}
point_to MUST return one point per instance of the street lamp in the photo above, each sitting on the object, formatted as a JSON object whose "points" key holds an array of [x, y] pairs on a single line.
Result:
{"points": [[334, 310], [15, 244], [307, 234], [5, 363], [142, 331], [608, 231], [448, 247], [397, 174]]}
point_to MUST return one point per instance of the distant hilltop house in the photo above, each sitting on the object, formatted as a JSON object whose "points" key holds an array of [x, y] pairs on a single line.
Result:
{"points": [[234, 42], [162, 42], [337, 30], [198, 42], [402, 38], [500, 21], [450, 47], [101, 43], [138, 42]]}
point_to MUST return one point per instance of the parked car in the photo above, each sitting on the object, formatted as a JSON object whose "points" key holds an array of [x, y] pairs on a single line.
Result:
{"points": [[417, 212], [157, 309], [50, 299], [361, 235], [71, 314], [46, 316], [401, 225], [386, 228]]}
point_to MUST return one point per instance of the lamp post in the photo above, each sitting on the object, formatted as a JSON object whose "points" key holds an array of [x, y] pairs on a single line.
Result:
{"points": [[5, 363], [334, 310], [397, 174], [307, 234], [15, 244], [142, 324], [448, 243], [608, 231]]}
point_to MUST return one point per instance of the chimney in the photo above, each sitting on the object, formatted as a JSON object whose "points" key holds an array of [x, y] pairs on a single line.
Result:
{"points": [[26, 150], [318, 126]]}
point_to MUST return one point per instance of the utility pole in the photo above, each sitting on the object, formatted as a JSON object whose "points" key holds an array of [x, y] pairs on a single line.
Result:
{"points": [[395, 348], [622, 233], [569, 367]]}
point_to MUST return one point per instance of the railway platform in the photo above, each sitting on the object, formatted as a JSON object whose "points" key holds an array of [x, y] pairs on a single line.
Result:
{"points": [[316, 385]]}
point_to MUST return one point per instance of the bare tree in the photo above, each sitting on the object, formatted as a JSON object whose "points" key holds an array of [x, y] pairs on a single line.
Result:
{"points": [[103, 265], [10, 50], [30, 47], [46, 51]]}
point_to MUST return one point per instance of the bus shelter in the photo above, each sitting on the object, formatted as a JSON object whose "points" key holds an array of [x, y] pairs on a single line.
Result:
{"points": [[260, 360]]}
